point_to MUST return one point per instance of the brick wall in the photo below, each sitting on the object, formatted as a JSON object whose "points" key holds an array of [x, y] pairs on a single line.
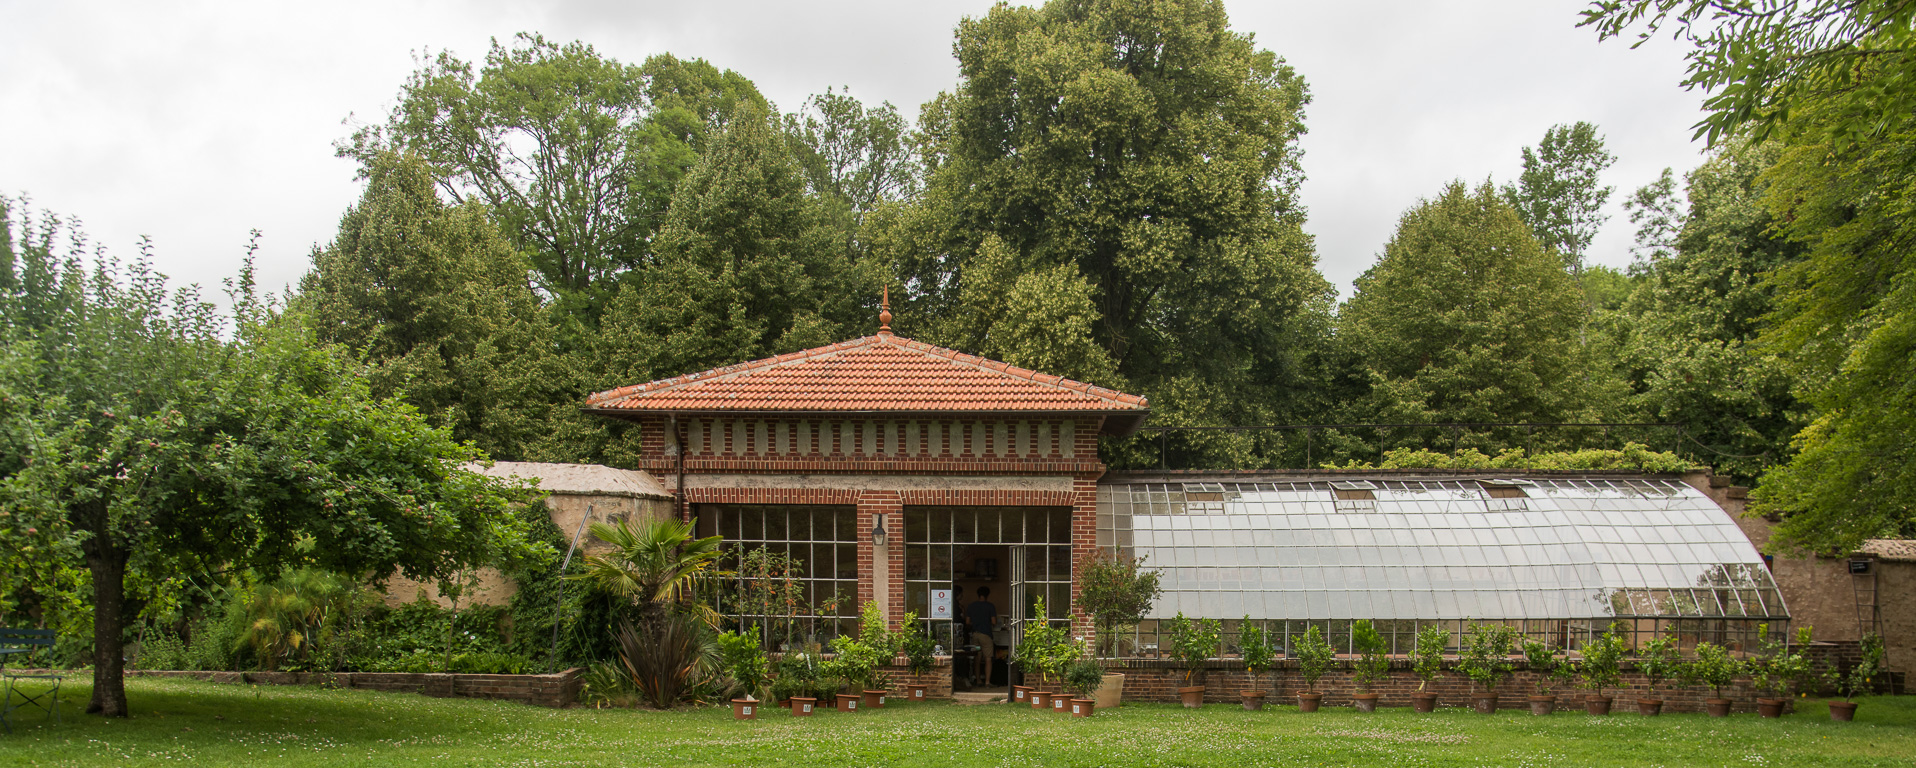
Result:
{"points": [[556, 691], [937, 682]]}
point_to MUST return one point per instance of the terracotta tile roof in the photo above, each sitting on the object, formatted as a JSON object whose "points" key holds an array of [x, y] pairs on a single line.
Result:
{"points": [[874, 373], [1896, 550]]}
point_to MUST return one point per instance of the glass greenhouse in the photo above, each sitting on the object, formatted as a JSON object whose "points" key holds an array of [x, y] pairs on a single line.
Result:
{"points": [[1560, 558]]}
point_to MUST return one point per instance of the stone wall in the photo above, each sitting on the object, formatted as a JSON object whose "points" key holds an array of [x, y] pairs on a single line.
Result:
{"points": [[556, 691]]}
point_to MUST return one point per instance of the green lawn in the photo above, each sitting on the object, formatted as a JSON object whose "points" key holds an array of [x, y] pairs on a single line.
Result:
{"points": [[179, 722]]}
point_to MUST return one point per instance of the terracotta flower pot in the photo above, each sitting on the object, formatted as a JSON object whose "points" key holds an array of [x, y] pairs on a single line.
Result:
{"points": [[1597, 705], [1484, 703], [1365, 702], [847, 703], [1083, 707], [1039, 699], [1543, 705], [1423, 702], [1253, 700], [1717, 707], [1021, 694], [1770, 707], [918, 693], [1844, 711], [785, 703], [802, 706], [1192, 696], [875, 699], [1061, 703], [1649, 707], [745, 709], [1307, 701]]}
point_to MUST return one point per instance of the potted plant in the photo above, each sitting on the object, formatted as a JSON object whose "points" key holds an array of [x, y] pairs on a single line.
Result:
{"points": [[1033, 655], [1658, 661], [1779, 670], [744, 661], [1115, 592], [1427, 661], [1486, 661], [1551, 667], [1193, 644], [1058, 661], [920, 657], [1601, 667], [1254, 645], [1713, 667], [1857, 680], [1371, 665], [1084, 676], [798, 682], [1314, 657], [857, 665]]}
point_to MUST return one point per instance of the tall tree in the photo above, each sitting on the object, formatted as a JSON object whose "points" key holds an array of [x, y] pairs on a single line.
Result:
{"points": [[1560, 192], [1149, 151], [437, 299], [184, 450], [1467, 318], [1658, 215], [862, 156]]}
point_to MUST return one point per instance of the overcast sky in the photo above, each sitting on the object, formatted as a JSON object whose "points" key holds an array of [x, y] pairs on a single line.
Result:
{"points": [[195, 122]]}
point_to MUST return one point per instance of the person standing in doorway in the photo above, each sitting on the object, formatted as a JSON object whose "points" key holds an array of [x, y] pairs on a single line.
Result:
{"points": [[982, 617]]}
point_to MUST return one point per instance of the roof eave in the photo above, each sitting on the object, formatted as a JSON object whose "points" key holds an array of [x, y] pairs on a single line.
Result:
{"points": [[1123, 423]]}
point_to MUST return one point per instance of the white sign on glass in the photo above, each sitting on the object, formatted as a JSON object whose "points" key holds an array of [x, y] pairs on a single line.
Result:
{"points": [[941, 604]]}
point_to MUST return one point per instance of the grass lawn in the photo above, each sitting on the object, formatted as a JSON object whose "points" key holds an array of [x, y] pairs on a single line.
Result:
{"points": [[184, 722]]}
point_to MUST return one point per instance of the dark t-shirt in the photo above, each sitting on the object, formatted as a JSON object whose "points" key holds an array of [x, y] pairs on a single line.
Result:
{"points": [[979, 615]]}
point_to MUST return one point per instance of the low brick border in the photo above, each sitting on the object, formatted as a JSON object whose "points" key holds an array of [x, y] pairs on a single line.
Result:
{"points": [[556, 691]]}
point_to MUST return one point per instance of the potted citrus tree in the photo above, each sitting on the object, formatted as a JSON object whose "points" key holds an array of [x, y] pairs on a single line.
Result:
{"points": [[1780, 670], [1371, 666], [1857, 680], [1427, 661], [1314, 657], [1486, 661], [1254, 646], [798, 683], [1084, 676], [1057, 661], [919, 659], [1193, 644], [1658, 661], [1714, 667], [744, 662], [1601, 667], [1551, 667], [1115, 592], [1034, 655]]}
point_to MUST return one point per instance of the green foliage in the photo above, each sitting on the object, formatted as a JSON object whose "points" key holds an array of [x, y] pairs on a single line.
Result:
{"points": [[769, 594], [1314, 656], [605, 685], [1549, 664], [305, 607], [1085, 676], [1114, 591], [1658, 659], [1427, 658], [1602, 663], [1633, 456], [1858, 679], [1560, 194], [1714, 667], [744, 661], [1046, 649], [857, 664], [1781, 668], [798, 675], [1370, 646], [1194, 642], [1467, 319], [918, 647], [1486, 654], [1255, 647], [661, 656], [652, 563], [162, 650]]}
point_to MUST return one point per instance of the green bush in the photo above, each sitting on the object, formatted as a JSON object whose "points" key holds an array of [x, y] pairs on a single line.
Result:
{"points": [[1371, 664], [1314, 657], [1486, 657], [1254, 645], [1428, 657], [1195, 642], [162, 650], [1602, 664]]}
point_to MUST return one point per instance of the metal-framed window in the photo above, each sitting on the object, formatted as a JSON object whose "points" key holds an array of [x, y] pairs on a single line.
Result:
{"points": [[824, 541]]}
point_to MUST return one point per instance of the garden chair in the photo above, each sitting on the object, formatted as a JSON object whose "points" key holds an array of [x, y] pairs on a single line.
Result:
{"points": [[20, 641]]}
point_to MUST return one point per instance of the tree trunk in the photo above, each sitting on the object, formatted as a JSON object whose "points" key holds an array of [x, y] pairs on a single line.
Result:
{"points": [[108, 565]]}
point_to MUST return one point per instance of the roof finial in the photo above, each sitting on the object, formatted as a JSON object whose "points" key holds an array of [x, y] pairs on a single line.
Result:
{"points": [[884, 312]]}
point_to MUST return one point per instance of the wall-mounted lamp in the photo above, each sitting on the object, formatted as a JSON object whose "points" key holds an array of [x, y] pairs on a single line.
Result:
{"points": [[878, 531]]}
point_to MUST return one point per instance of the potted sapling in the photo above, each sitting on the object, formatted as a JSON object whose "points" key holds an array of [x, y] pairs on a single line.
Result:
{"points": [[1600, 668], [919, 651], [1371, 665], [1194, 643], [1486, 661], [1780, 670], [1084, 677], [856, 666], [1033, 656], [1551, 668], [881, 646], [1254, 645], [1115, 592], [1057, 662], [1427, 661], [1658, 661], [798, 679], [1857, 680], [744, 662], [1314, 658], [1713, 667]]}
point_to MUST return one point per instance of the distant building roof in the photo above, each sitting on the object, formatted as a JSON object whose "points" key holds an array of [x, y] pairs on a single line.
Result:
{"points": [[874, 373], [579, 479], [1898, 550]]}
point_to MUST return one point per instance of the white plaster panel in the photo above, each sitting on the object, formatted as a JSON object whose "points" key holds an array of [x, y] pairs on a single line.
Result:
{"points": [[883, 482]]}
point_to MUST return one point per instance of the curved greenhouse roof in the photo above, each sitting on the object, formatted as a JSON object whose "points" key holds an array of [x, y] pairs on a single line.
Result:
{"points": [[1438, 548]]}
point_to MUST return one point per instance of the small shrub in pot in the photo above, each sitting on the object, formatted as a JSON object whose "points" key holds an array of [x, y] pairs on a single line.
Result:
{"points": [[1254, 646], [1314, 658], [1601, 667], [1658, 660], [1857, 680], [1486, 661], [1371, 664], [1084, 677], [1714, 667], [744, 661], [1427, 662], [1551, 668]]}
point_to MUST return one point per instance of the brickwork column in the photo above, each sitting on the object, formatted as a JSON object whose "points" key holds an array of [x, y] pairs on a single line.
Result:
{"points": [[1084, 517], [881, 570]]}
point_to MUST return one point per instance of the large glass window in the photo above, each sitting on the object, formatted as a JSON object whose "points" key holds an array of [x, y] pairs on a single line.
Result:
{"points": [[1020, 554], [822, 544]]}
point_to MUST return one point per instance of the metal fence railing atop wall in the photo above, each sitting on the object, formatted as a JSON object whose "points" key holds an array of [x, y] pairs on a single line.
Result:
{"points": [[1311, 446]]}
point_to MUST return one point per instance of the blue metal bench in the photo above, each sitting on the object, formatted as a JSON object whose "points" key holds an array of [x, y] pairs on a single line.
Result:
{"points": [[23, 641]]}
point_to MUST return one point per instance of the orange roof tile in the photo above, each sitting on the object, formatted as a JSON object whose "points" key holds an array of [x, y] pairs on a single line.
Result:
{"points": [[874, 373]]}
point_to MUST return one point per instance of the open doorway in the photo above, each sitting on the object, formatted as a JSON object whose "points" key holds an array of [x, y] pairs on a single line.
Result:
{"points": [[1015, 556]]}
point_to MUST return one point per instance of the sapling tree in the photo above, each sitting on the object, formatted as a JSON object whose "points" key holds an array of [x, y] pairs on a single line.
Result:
{"points": [[1658, 659], [1371, 665], [1194, 643], [1862, 674], [744, 661], [1314, 657], [1714, 667], [1085, 675], [1602, 664], [1114, 591], [1546, 662], [1254, 645], [1428, 657], [1486, 657]]}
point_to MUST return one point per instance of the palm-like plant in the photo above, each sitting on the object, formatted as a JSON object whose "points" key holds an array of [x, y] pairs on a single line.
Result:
{"points": [[652, 563]]}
